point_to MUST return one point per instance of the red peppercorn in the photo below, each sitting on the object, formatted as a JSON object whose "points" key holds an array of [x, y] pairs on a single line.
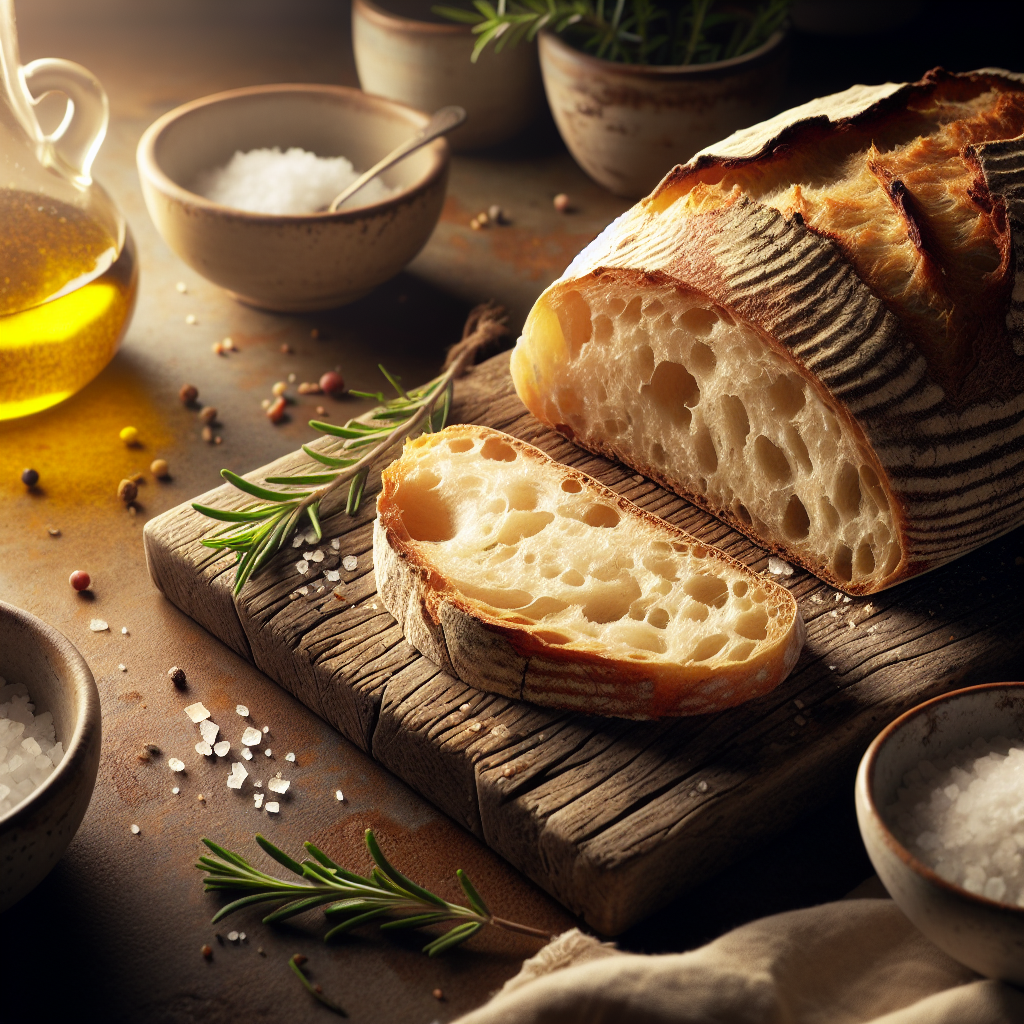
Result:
{"points": [[332, 383], [79, 580]]}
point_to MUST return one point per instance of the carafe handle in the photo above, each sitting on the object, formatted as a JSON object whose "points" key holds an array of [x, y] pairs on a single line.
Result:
{"points": [[73, 145]]}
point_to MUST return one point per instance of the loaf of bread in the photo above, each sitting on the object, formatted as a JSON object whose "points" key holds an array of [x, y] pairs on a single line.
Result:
{"points": [[813, 330], [523, 577]]}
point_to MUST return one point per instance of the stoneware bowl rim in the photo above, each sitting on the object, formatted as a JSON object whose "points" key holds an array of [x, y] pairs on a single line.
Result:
{"points": [[865, 787], [603, 66], [160, 180], [75, 673], [403, 23]]}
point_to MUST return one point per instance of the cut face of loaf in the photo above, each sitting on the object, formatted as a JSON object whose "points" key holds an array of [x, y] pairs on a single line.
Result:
{"points": [[687, 394], [815, 330], [526, 578]]}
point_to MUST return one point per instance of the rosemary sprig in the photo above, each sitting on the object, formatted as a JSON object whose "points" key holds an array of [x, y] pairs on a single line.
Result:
{"points": [[258, 531], [349, 898]]}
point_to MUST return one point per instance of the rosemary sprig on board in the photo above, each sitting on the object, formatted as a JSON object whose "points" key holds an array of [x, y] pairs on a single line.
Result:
{"points": [[348, 898], [258, 531]]}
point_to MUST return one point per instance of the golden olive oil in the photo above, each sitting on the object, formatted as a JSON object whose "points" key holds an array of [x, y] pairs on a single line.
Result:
{"points": [[66, 295]]}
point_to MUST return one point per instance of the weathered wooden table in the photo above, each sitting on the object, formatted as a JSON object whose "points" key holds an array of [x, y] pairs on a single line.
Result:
{"points": [[116, 929]]}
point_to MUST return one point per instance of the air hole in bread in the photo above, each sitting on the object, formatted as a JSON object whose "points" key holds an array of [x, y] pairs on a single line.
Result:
{"points": [[741, 651], [630, 315], [426, 516], [742, 514], [772, 461], [519, 525], [522, 496], [698, 321], [847, 493], [498, 450], [796, 445], [796, 523], [673, 390], [658, 618], [864, 560], [696, 611], [571, 486], [459, 445], [606, 573], [639, 635], [702, 358], [574, 319], [786, 396], [735, 421], [658, 453], [601, 515], [543, 607], [753, 624], [653, 308], [704, 447], [549, 636], [708, 647], [645, 362], [709, 590], [842, 563], [602, 329], [573, 578], [496, 597], [611, 602]]}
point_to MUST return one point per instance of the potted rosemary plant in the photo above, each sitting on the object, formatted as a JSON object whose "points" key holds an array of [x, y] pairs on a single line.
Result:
{"points": [[636, 86]]}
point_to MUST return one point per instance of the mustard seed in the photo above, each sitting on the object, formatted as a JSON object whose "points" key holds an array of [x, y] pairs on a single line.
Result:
{"points": [[188, 394], [160, 469], [127, 491], [129, 435]]}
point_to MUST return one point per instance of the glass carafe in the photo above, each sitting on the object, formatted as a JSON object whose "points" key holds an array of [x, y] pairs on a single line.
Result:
{"points": [[68, 273]]}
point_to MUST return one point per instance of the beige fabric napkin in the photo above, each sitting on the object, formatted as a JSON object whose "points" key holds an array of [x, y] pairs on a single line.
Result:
{"points": [[851, 962]]}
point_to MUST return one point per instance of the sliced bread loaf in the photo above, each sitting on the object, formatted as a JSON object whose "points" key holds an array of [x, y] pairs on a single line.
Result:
{"points": [[523, 577]]}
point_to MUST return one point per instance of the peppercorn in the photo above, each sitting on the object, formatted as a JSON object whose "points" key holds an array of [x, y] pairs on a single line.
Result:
{"points": [[276, 412], [188, 394], [562, 203], [207, 434], [80, 580], [279, 389], [177, 676], [127, 491], [207, 414], [129, 435], [29, 477], [207, 952], [332, 383], [160, 469], [437, 994]]}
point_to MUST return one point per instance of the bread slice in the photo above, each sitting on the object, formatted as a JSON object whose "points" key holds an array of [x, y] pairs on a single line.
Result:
{"points": [[523, 577], [815, 330]]}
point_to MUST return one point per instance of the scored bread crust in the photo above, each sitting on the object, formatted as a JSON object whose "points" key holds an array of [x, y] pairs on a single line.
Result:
{"points": [[498, 650], [926, 371]]}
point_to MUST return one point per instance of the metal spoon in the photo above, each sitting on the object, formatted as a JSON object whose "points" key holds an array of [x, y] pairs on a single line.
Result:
{"points": [[443, 121]]}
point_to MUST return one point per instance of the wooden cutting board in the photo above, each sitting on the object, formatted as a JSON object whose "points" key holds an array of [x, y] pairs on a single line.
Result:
{"points": [[611, 817]]}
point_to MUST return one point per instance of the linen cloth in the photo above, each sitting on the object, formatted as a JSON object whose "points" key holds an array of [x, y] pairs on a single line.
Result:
{"points": [[851, 962]]}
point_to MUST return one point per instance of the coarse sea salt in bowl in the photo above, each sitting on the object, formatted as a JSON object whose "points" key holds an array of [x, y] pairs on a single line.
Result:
{"points": [[291, 262], [940, 804], [35, 832]]}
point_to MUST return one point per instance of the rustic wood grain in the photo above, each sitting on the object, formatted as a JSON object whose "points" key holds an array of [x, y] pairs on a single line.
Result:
{"points": [[612, 817]]}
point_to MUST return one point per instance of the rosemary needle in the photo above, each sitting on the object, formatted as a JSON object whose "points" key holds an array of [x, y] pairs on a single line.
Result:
{"points": [[295, 963]]}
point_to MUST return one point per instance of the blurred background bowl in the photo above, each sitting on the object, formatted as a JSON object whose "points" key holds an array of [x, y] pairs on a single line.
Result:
{"points": [[985, 935], [406, 52], [292, 263], [34, 836]]}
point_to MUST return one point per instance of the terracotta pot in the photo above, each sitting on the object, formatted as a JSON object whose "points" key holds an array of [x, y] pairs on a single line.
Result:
{"points": [[627, 125], [426, 64]]}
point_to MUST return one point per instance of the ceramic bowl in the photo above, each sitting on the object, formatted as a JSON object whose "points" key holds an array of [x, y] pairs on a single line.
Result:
{"points": [[407, 53], [302, 262], [35, 834], [628, 125], [986, 936]]}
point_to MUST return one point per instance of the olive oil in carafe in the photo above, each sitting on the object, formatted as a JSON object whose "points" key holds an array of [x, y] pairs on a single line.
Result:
{"points": [[66, 295]]}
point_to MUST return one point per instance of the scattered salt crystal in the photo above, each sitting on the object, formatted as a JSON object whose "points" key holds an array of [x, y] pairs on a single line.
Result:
{"points": [[847, 599], [303, 591], [191, 319], [182, 287], [350, 562], [220, 749], [238, 775], [302, 567], [258, 783], [258, 800], [251, 736], [266, 729], [318, 556], [332, 575], [831, 668], [123, 668], [204, 748], [702, 786], [208, 730], [778, 567], [476, 727], [799, 703], [247, 753], [175, 764], [273, 807], [241, 709], [268, 752], [124, 630], [308, 555], [290, 756], [241, 936], [98, 625], [197, 712], [463, 707], [136, 830], [339, 795], [311, 537], [800, 720], [278, 785], [336, 543], [297, 541], [175, 790], [232, 936]]}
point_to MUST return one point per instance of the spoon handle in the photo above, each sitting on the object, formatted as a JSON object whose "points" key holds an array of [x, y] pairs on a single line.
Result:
{"points": [[443, 121]]}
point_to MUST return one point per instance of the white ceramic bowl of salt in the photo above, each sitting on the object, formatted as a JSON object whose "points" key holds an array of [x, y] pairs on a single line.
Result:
{"points": [[36, 831], [940, 804], [297, 261]]}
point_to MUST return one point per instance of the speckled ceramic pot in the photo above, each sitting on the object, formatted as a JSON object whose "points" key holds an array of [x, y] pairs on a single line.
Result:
{"points": [[34, 836], [627, 125], [986, 936], [406, 53], [292, 263]]}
